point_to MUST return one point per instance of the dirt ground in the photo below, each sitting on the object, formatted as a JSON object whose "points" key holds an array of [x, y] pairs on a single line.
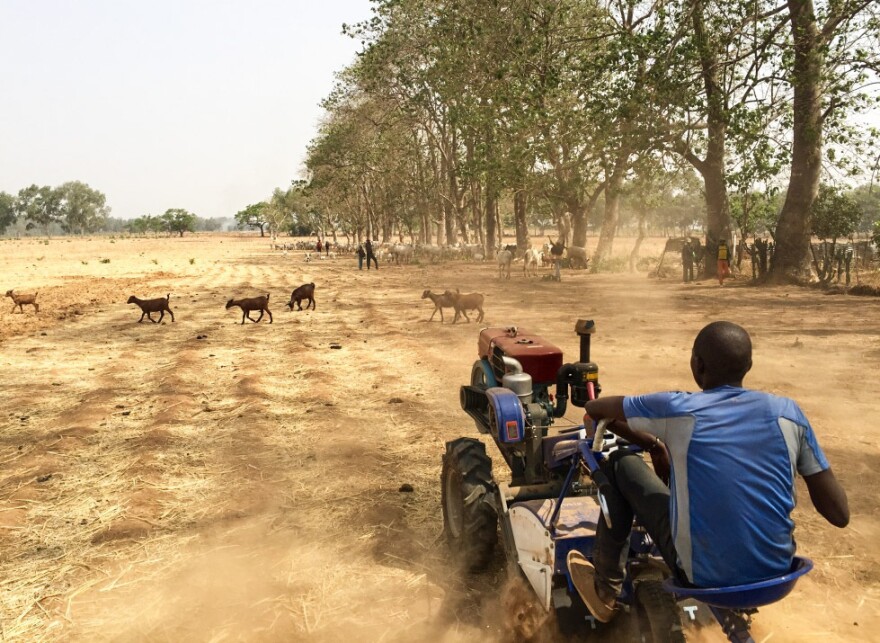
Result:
{"points": [[204, 480]]}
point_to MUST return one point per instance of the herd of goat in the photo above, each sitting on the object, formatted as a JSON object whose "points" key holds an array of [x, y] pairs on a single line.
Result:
{"points": [[461, 304], [161, 305]]}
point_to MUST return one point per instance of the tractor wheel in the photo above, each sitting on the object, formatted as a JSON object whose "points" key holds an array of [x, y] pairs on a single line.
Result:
{"points": [[469, 519], [659, 617]]}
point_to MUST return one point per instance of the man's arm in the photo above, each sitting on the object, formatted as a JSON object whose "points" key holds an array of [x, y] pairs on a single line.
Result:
{"points": [[611, 408], [828, 497]]}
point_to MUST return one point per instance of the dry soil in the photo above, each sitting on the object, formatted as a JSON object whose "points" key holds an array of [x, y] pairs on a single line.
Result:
{"points": [[205, 480]]}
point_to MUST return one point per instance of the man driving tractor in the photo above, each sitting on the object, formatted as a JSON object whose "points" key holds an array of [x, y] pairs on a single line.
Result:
{"points": [[730, 456]]}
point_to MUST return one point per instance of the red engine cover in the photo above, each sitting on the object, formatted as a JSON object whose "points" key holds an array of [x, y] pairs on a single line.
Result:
{"points": [[539, 358]]}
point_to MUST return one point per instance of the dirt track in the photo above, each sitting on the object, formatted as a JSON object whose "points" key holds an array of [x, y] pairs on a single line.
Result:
{"points": [[159, 486]]}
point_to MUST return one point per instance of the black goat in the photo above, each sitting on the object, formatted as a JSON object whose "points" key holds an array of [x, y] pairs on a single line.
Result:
{"points": [[306, 291]]}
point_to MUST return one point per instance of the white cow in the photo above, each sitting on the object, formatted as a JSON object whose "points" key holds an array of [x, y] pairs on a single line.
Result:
{"points": [[531, 262], [505, 258]]}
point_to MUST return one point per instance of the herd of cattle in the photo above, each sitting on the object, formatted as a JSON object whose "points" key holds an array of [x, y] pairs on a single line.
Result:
{"points": [[405, 253]]}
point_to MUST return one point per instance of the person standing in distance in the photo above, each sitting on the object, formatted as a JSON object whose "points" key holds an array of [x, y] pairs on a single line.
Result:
{"points": [[687, 261], [368, 247], [361, 254], [723, 261], [733, 455]]}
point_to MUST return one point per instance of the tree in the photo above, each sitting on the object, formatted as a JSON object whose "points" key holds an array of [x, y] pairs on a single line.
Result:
{"points": [[253, 216], [868, 198], [82, 208], [832, 51], [179, 220], [834, 215], [40, 206], [147, 223], [7, 210]]}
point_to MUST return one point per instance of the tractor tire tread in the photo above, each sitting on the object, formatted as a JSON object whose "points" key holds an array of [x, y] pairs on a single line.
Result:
{"points": [[658, 613], [475, 546]]}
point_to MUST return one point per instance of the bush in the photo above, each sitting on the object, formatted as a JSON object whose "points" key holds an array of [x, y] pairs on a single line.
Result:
{"points": [[105, 261], [192, 260], [646, 264], [614, 264]]}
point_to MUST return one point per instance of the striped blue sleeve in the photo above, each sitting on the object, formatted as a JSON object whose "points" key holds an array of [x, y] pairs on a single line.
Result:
{"points": [[810, 457], [649, 412], [654, 406]]}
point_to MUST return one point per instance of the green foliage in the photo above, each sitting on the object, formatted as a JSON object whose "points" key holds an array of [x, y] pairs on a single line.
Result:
{"points": [[178, 220], [455, 106], [755, 213], [39, 206], [834, 214], [83, 210], [145, 224], [253, 216], [7, 210], [868, 199]]}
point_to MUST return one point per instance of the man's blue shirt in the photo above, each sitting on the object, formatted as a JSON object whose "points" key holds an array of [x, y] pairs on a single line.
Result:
{"points": [[734, 455]]}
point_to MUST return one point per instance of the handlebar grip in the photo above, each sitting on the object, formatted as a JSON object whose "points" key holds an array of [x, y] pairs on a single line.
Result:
{"points": [[601, 481], [599, 438]]}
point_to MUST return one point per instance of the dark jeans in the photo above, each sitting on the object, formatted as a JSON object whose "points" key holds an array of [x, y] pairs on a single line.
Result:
{"points": [[637, 491], [373, 259], [360, 262], [688, 270]]}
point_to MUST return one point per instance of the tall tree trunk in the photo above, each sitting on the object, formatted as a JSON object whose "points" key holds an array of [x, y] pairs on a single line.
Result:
{"points": [[612, 209], [712, 168], [491, 207], [422, 199], [643, 232], [477, 211], [580, 218], [792, 255], [520, 206]]}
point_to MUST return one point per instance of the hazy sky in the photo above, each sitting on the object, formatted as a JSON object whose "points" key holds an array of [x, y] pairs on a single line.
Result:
{"points": [[206, 105]]}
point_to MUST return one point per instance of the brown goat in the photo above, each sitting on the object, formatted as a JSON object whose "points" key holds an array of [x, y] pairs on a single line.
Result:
{"points": [[149, 306], [440, 302], [21, 300], [260, 303], [306, 291], [464, 303]]}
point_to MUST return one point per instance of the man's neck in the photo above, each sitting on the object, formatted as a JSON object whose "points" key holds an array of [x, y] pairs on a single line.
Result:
{"points": [[713, 384]]}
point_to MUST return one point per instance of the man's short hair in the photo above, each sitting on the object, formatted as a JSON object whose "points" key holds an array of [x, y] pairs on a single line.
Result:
{"points": [[726, 350]]}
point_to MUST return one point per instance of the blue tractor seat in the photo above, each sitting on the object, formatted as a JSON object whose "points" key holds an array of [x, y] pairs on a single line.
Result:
{"points": [[744, 597]]}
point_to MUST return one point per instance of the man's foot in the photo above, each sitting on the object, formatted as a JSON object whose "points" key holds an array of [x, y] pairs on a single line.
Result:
{"points": [[583, 577]]}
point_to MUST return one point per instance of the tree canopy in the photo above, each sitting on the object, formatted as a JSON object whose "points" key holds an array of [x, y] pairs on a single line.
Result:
{"points": [[457, 109], [179, 220]]}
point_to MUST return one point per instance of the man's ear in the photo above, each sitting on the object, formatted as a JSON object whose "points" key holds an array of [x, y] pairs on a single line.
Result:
{"points": [[698, 369]]}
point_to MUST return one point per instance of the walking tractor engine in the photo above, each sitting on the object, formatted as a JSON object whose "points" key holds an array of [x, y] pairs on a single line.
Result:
{"points": [[509, 397]]}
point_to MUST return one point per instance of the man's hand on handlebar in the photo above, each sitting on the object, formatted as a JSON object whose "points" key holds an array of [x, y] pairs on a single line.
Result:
{"points": [[660, 461]]}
